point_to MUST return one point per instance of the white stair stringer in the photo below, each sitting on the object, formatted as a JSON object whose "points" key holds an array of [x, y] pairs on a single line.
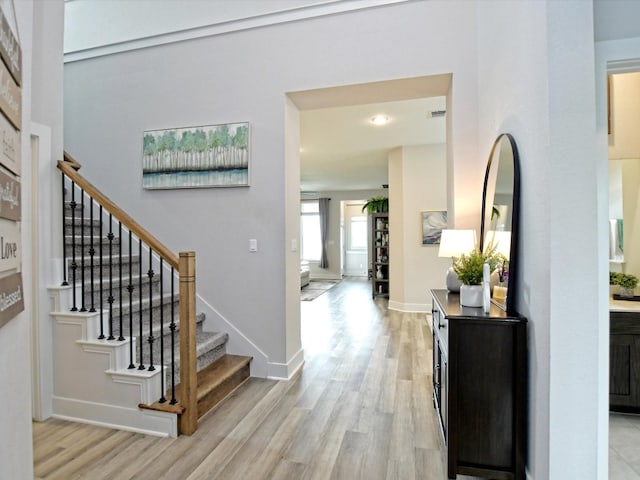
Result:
{"points": [[92, 381]]}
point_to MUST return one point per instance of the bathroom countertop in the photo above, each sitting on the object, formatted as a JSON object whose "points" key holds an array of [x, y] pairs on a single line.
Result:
{"points": [[623, 305]]}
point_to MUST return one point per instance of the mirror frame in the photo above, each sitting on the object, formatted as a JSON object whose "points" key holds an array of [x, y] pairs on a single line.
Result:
{"points": [[512, 283]]}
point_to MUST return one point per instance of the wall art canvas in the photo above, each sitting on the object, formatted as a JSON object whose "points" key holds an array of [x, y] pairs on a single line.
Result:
{"points": [[433, 222], [196, 157]]}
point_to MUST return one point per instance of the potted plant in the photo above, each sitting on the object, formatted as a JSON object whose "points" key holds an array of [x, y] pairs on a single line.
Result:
{"points": [[469, 267], [376, 205], [627, 283], [614, 282]]}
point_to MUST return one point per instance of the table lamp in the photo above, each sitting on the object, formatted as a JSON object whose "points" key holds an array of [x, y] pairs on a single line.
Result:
{"points": [[500, 240], [454, 243]]}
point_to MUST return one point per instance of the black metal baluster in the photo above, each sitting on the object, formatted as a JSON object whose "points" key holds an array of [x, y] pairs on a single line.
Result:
{"points": [[172, 327], [120, 337], [101, 276], [162, 377], [110, 299], [82, 285], [141, 366], [151, 337], [130, 289], [64, 237], [74, 265], [92, 252]]}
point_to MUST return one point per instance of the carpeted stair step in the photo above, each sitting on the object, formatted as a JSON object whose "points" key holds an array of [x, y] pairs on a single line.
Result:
{"points": [[84, 243], [168, 306], [211, 346], [162, 337], [120, 288], [83, 226], [84, 263]]}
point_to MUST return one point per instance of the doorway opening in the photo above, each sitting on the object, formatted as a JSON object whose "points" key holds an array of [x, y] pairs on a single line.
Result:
{"points": [[343, 152]]}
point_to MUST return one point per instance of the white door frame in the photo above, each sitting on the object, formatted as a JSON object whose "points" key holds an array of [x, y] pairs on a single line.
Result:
{"points": [[41, 198]]}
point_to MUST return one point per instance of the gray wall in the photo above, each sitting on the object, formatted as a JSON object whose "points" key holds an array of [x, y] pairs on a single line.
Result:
{"points": [[244, 76]]}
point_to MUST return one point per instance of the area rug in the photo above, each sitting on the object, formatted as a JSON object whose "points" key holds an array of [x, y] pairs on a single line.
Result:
{"points": [[316, 288]]}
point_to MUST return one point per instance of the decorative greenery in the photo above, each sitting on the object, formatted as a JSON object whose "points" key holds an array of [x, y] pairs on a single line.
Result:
{"points": [[614, 278], [469, 266], [376, 205], [628, 281], [625, 280]]}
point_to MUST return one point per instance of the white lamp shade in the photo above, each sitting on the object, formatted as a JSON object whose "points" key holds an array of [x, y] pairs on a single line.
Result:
{"points": [[500, 239], [454, 243]]}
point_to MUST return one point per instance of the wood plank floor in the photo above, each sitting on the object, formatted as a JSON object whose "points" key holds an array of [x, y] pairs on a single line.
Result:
{"points": [[360, 408]]}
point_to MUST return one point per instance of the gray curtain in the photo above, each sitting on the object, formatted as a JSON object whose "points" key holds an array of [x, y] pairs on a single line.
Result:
{"points": [[323, 208]]}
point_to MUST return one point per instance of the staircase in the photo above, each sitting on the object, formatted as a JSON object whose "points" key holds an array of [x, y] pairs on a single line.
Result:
{"points": [[127, 295]]}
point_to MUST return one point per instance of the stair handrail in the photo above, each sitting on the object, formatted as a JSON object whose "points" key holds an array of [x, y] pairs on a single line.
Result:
{"points": [[184, 264], [71, 172]]}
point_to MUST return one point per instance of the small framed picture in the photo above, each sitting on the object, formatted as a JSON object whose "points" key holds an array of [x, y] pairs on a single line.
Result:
{"points": [[433, 222]]}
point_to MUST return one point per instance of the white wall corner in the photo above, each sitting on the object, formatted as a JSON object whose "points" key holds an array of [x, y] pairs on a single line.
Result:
{"points": [[286, 371]]}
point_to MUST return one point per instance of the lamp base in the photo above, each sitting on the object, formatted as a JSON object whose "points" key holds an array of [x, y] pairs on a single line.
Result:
{"points": [[453, 283]]}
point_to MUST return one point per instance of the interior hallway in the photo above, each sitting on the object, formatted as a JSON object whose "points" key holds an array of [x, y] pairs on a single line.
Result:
{"points": [[361, 408]]}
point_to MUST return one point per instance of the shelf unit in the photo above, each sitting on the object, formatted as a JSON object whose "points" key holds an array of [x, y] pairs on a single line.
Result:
{"points": [[380, 254]]}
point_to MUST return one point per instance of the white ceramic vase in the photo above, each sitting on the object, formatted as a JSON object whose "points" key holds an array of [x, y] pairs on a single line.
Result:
{"points": [[471, 295]]}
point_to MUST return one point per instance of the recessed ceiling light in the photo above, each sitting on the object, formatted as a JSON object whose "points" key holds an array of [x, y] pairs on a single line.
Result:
{"points": [[379, 120]]}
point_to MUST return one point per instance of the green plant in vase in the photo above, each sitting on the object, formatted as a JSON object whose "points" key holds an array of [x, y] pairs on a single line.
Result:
{"points": [[470, 270], [627, 283]]}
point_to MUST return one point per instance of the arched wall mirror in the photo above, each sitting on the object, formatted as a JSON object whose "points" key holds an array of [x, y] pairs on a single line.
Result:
{"points": [[500, 209]]}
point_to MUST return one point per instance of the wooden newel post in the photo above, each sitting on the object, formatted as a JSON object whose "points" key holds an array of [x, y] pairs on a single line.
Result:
{"points": [[188, 375]]}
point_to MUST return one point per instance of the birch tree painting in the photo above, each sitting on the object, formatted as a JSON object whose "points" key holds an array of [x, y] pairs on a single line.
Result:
{"points": [[209, 156]]}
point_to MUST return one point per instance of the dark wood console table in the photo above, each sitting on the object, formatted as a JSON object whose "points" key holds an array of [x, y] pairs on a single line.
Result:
{"points": [[480, 388]]}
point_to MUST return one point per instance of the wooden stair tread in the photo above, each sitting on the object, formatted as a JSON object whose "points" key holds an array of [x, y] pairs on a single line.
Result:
{"points": [[218, 372], [163, 407], [215, 383]]}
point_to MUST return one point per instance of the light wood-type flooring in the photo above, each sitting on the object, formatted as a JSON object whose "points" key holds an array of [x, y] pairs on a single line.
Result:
{"points": [[360, 409]]}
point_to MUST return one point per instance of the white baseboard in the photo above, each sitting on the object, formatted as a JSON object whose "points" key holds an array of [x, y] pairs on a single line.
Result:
{"points": [[410, 307], [148, 422], [324, 276], [285, 371]]}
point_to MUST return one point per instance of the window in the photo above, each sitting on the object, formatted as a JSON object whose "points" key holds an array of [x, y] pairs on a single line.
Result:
{"points": [[310, 230], [358, 236]]}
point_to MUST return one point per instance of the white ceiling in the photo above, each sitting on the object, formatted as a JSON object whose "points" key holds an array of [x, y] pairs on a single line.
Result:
{"points": [[342, 150]]}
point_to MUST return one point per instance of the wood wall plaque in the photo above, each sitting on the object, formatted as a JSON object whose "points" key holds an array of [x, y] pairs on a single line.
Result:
{"points": [[9, 146], [10, 246], [11, 297], [10, 97], [10, 50], [10, 199]]}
